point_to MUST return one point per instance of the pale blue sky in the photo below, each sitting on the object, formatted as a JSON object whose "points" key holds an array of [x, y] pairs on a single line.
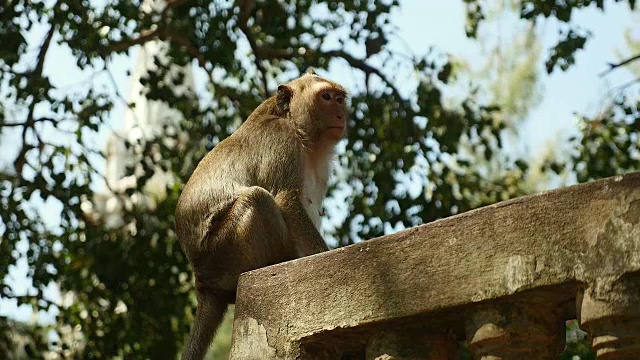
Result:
{"points": [[422, 24], [580, 89]]}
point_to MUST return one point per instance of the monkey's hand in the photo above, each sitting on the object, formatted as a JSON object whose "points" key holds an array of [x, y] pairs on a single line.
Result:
{"points": [[303, 233]]}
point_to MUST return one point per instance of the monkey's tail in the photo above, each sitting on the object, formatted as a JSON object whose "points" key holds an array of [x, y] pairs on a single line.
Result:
{"points": [[208, 317]]}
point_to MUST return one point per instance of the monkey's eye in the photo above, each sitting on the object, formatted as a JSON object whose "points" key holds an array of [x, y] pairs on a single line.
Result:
{"points": [[326, 96], [340, 99]]}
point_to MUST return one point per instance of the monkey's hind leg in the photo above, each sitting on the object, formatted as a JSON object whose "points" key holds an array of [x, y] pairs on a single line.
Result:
{"points": [[260, 234], [251, 234]]}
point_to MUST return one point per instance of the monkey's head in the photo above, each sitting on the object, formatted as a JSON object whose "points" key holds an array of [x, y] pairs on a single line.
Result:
{"points": [[317, 106]]}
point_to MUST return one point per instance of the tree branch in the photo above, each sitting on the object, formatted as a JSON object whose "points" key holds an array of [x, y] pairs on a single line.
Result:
{"points": [[242, 24], [146, 35], [16, 124], [126, 44], [30, 122], [622, 63], [366, 68], [43, 50], [170, 5], [162, 33], [270, 54]]}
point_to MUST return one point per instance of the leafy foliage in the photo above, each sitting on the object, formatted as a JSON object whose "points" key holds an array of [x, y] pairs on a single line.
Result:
{"points": [[609, 143], [126, 288], [572, 38]]}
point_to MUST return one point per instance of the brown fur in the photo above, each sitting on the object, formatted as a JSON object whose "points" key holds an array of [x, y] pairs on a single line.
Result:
{"points": [[244, 206]]}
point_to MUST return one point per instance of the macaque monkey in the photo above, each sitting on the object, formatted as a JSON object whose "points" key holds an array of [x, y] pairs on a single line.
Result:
{"points": [[255, 199]]}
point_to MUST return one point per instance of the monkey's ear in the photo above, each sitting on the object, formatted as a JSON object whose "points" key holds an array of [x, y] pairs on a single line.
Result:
{"points": [[283, 98], [311, 71]]}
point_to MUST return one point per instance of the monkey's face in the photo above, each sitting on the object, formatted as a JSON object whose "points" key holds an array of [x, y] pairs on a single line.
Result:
{"points": [[317, 106], [331, 111]]}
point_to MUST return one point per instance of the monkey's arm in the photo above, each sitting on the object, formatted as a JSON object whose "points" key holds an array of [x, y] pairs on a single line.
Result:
{"points": [[302, 232], [280, 172]]}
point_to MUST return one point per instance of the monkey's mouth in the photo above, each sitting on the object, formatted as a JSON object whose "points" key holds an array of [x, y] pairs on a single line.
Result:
{"points": [[335, 131]]}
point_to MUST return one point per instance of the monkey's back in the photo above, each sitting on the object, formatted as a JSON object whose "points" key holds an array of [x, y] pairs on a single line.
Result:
{"points": [[263, 152]]}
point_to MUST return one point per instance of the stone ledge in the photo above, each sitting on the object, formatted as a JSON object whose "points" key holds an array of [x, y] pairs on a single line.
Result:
{"points": [[545, 247]]}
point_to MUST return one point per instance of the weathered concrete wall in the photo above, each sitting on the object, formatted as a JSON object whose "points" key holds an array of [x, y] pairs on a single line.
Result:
{"points": [[504, 277]]}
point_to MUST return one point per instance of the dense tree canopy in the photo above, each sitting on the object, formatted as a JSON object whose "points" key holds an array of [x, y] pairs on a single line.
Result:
{"points": [[126, 289]]}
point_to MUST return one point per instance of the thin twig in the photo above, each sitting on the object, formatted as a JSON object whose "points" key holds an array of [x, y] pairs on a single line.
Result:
{"points": [[29, 298], [43, 119], [622, 63], [254, 46], [114, 83], [620, 88]]}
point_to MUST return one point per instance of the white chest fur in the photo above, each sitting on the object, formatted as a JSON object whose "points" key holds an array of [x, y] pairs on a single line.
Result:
{"points": [[315, 188]]}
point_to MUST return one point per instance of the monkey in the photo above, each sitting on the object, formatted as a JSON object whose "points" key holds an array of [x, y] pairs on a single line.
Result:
{"points": [[255, 199]]}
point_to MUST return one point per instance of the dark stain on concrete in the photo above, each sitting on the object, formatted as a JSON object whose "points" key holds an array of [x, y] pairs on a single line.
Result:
{"points": [[632, 215]]}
